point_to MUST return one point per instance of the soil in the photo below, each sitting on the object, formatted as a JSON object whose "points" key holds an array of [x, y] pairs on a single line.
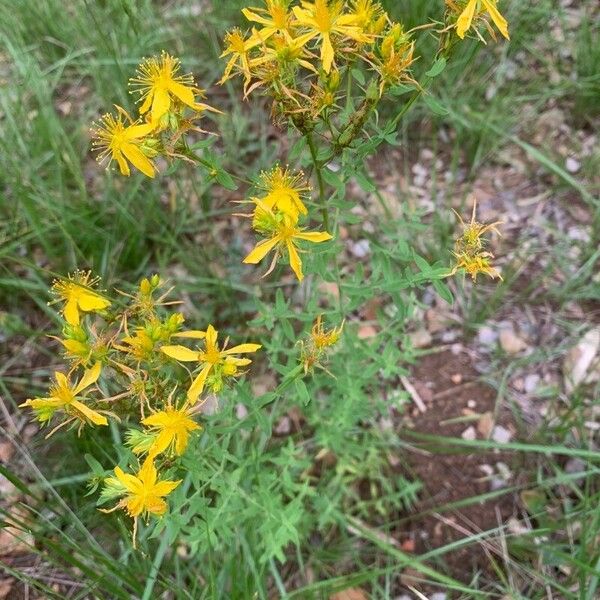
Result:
{"points": [[451, 389]]}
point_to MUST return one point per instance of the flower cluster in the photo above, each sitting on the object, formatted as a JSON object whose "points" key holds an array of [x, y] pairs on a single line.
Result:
{"points": [[276, 216], [470, 248], [302, 54], [128, 345], [166, 99]]}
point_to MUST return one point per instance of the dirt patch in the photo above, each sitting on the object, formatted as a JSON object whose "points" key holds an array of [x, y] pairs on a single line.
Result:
{"points": [[458, 405]]}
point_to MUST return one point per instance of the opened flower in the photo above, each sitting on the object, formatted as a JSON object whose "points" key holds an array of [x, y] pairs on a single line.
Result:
{"points": [[172, 428], [217, 363], [284, 235], [78, 295], [237, 49], [283, 191], [159, 86], [66, 397], [475, 7], [324, 19], [117, 141]]}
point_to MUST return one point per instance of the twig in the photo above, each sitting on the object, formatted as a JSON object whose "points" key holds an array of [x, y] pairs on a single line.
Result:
{"points": [[409, 387]]}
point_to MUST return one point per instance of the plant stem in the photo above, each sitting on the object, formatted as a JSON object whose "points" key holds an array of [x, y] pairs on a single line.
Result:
{"points": [[322, 200]]}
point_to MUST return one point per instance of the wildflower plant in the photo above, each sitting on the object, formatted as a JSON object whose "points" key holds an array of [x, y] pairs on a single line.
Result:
{"points": [[202, 457]]}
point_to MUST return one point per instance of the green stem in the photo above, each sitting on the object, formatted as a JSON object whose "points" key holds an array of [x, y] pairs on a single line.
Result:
{"points": [[322, 200]]}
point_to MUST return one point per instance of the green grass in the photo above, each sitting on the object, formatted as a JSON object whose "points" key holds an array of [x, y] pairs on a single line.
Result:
{"points": [[60, 68]]}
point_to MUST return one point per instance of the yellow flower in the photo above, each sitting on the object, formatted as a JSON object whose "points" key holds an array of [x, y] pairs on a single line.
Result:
{"points": [[144, 494], [275, 18], [475, 7], [323, 19], [313, 351], [77, 293], [369, 15], [64, 396], [284, 191], [284, 235], [475, 264], [123, 142], [173, 427], [160, 86], [237, 48], [323, 339], [470, 252], [215, 361]]}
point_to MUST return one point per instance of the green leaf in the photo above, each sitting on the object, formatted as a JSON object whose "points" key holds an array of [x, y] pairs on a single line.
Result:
{"points": [[225, 179], [443, 291], [435, 105], [438, 66], [302, 391]]}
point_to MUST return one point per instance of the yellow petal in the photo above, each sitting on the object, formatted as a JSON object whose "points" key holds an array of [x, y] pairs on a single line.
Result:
{"points": [[295, 261], [145, 107], [163, 488], [161, 443], [61, 379], [180, 353], [71, 312], [194, 334], [135, 132], [499, 20], [183, 92], [95, 417], [123, 166], [147, 474], [211, 337], [90, 301], [465, 19], [135, 505], [313, 236], [160, 104], [327, 53], [155, 505], [133, 484], [261, 250], [198, 384], [242, 349], [89, 377], [138, 159]]}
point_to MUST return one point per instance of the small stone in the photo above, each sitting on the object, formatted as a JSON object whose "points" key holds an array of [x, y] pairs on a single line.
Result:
{"points": [[366, 332], [456, 378], [420, 338], [531, 382], [501, 435], [510, 342], [469, 434], [471, 403], [579, 359], [487, 336], [487, 469], [241, 412], [438, 596], [573, 165], [284, 426], [361, 249], [485, 425]]}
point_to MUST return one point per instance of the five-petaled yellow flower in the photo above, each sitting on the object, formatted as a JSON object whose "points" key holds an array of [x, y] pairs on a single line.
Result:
{"points": [[78, 295], [283, 191], [216, 362], [284, 234], [237, 48], [121, 142], [323, 19], [64, 396], [473, 7], [159, 86], [173, 427], [144, 493]]}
